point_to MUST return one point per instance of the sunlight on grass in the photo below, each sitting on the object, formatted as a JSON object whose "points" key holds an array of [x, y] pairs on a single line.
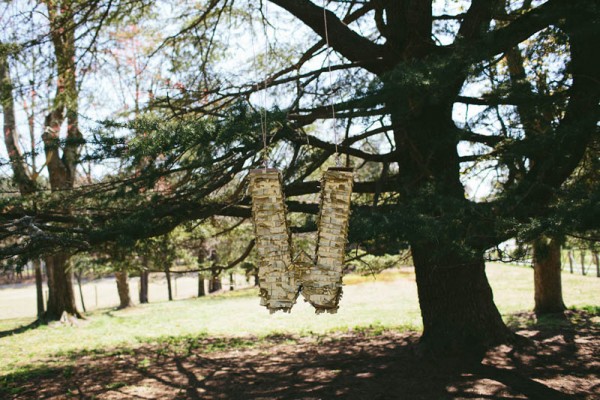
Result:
{"points": [[388, 300], [513, 288]]}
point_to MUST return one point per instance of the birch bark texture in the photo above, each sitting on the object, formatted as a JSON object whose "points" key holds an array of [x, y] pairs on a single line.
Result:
{"points": [[276, 279], [282, 274], [323, 286]]}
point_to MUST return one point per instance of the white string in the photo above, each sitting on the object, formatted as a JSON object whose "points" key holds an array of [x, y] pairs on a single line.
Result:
{"points": [[264, 117], [328, 56], [263, 112]]}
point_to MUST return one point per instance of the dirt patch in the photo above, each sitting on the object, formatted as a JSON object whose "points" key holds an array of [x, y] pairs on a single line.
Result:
{"points": [[560, 361]]}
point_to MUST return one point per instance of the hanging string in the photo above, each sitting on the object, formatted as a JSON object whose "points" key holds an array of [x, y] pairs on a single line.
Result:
{"points": [[335, 135], [264, 110]]}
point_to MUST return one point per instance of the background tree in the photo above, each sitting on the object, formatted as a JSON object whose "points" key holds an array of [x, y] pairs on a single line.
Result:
{"points": [[120, 260], [62, 168], [538, 119], [23, 176], [49, 82]]}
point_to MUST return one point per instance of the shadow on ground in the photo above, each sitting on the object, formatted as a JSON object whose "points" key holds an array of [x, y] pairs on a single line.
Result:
{"points": [[561, 362], [20, 329]]}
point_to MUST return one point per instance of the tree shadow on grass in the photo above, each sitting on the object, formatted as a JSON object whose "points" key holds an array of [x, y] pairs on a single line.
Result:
{"points": [[20, 329], [351, 365]]}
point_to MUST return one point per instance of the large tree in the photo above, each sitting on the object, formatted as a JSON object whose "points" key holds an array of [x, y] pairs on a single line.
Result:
{"points": [[55, 42], [62, 168], [539, 119], [417, 84]]}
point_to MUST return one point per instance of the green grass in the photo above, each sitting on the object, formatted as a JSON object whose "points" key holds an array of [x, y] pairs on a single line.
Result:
{"points": [[388, 300]]}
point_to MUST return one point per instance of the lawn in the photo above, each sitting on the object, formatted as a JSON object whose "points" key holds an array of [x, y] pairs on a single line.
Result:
{"points": [[388, 300]]}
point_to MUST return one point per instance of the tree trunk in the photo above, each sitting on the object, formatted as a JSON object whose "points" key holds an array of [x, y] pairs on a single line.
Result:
{"points": [[201, 291], [214, 284], [570, 254], [144, 286], [62, 168], [582, 258], [60, 287], [256, 277], [78, 277], [457, 306], [231, 282], [123, 289], [547, 276], [597, 261], [39, 289], [169, 288]]}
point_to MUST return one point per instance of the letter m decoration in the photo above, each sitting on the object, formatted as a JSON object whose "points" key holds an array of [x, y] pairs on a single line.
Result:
{"points": [[284, 273]]}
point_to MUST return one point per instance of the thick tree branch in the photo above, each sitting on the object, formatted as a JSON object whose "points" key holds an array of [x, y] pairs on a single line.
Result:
{"points": [[488, 140], [477, 19], [369, 187], [564, 147], [21, 174], [342, 39], [500, 40], [512, 99], [296, 137], [580, 120]]}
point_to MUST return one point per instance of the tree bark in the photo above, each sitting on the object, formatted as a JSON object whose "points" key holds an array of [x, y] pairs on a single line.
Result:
{"points": [[144, 286], [547, 276], [214, 284], [39, 289], [457, 306], [582, 258], [123, 289], [201, 291], [60, 287], [168, 276]]}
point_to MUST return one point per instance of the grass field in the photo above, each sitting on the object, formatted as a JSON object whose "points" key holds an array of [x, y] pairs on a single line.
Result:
{"points": [[19, 300], [388, 300]]}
